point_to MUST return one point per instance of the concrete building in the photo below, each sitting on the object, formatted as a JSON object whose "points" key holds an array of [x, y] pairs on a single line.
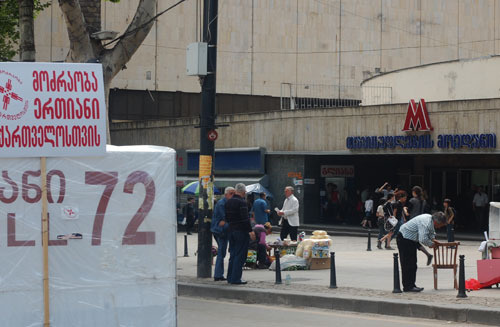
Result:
{"points": [[355, 148], [445, 81], [300, 49], [305, 54]]}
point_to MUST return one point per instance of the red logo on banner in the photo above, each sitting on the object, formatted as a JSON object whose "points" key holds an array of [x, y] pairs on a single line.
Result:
{"points": [[12, 102], [417, 117], [8, 94]]}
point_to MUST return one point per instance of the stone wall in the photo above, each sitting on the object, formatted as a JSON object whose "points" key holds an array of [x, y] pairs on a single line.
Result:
{"points": [[314, 131]]}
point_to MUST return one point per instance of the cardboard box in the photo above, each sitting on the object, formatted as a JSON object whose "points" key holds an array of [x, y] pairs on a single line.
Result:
{"points": [[317, 264], [320, 253]]}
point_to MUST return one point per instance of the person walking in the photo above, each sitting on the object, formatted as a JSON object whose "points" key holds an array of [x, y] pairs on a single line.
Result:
{"points": [[260, 210], [289, 215], [419, 230], [239, 229], [480, 204], [188, 212], [380, 222], [219, 229], [449, 213], [389, 213], [368, 212]]}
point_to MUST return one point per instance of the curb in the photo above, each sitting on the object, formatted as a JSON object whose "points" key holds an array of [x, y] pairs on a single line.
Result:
{"points": [[405, 308]]}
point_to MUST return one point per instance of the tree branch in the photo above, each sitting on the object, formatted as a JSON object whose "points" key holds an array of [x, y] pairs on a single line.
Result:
{"points": [[113, 60], [79, 38]]}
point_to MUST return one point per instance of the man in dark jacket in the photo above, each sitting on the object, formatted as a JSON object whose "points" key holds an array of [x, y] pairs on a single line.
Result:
{"points": [[239, 229], [219, 229]]}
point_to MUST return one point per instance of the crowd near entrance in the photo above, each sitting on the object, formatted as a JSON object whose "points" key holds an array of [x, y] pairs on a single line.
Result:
{"points": [[345, 183]]}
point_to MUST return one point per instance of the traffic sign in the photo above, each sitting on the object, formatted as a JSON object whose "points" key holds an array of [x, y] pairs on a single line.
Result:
{"points": [[212, 135]]}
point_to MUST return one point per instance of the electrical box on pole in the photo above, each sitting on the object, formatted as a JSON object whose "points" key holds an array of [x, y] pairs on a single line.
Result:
{"points": [[196, 59]]}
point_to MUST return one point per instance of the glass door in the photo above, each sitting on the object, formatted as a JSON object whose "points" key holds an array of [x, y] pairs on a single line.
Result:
{"points": [[495, 186]]}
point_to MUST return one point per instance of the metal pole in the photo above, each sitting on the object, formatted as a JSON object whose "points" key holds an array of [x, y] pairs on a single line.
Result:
{"points": [[333, 276], [207, 146], [397, 288], [186, 246], [461, 278], [45, 244], [278, 266], [369, 247]]}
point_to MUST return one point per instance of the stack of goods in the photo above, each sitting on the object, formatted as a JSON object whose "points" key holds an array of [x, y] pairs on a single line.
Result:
{"points": [[321, 244], [318, 246]]}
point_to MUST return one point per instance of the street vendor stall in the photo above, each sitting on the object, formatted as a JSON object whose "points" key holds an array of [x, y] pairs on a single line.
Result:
{"points": [[309, 253]]}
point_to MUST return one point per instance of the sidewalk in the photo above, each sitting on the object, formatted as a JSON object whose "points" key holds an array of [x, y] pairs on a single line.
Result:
{"points": [[362, 275]]}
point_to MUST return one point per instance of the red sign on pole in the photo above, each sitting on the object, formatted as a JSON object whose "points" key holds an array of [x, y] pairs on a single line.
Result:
{"points": [[212, 135]]}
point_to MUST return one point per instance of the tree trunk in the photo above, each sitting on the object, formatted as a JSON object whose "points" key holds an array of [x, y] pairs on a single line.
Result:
{"points": [[80, 47], [26, 31], [84, 49]]}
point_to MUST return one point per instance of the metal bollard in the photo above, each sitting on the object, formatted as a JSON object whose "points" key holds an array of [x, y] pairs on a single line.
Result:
{"points": [[369, 247], [461, 278], [333, 276], [186, 246], [278, 266], [397, 287]]}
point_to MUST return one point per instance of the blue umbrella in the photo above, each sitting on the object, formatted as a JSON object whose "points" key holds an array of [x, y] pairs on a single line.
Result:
{"points": [[258, 188], [194, 188]]}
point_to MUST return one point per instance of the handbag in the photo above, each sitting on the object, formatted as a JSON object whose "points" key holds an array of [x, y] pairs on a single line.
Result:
{"points": [[393, 221], [390, 223]]}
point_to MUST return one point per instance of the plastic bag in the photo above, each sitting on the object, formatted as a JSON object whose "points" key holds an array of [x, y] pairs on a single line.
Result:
{"points": [[472, 284], [288, 261]]}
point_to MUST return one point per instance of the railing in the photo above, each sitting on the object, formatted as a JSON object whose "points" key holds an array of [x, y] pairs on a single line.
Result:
{"points": [[303, 96]]}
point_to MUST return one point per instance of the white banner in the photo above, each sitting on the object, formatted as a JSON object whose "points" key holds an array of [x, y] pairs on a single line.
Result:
{"points": [[52, 109], [112, 239]]}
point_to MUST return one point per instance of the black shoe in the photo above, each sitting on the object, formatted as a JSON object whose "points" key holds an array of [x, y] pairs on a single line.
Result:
{"points": [[241, 282], [189, 233], [379, 245], [415, 289], [219, 279], [429, 259]]}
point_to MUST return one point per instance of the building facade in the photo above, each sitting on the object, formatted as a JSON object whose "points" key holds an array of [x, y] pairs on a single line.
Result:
{"points": [[448, 151], [321, 49]]}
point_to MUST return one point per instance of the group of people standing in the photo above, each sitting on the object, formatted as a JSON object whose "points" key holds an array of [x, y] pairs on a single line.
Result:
{"points": [[233, 225]]}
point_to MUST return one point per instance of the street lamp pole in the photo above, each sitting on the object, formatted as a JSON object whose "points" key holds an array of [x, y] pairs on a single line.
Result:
{"points": [[207, 141]]}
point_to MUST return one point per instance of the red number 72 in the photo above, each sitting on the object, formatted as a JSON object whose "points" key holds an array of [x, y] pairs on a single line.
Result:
{"points": [[109, 180]]}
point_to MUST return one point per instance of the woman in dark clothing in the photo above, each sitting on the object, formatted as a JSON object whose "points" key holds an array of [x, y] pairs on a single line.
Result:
{"points": [[388, 213], [417, 203], [400, 210], [402, 214]]}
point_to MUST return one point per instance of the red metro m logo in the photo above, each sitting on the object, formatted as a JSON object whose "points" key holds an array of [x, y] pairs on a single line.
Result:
{"points": [[417, 117]]}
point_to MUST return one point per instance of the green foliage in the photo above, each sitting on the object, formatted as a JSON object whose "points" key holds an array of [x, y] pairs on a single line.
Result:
{"points": [[9, 20], [9, 34]]}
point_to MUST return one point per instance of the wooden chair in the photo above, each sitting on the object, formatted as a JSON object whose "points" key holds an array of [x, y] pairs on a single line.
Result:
{"points": [[445, 257]]}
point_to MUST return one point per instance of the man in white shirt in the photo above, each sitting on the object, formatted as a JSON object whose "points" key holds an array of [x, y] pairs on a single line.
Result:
{"points": [[480, 203], [289, 215]]}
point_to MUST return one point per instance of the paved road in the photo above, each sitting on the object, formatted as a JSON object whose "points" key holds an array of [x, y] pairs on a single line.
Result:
{"points": [[200, 312]]}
